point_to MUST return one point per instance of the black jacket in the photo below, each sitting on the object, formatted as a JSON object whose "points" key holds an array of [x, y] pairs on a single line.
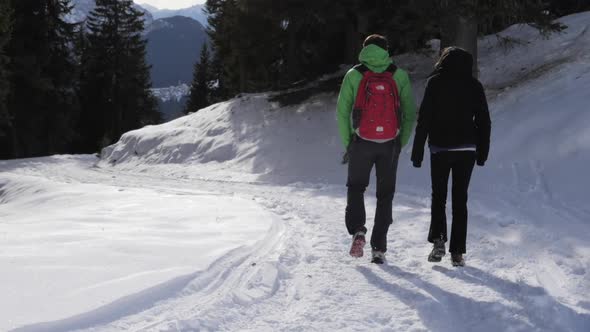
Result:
{"points": [[454, 111]]}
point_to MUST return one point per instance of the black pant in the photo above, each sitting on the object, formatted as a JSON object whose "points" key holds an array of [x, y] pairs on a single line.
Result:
{"points": [[363, 155], [461, 164]]}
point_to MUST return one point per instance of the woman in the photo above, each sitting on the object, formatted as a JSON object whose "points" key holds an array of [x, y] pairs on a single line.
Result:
{"points": [[454, 117]]}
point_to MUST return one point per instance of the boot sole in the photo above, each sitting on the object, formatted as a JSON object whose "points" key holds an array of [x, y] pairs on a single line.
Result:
{"points": [[436, 258], [378, 261], [458, 264], [357, 248]]}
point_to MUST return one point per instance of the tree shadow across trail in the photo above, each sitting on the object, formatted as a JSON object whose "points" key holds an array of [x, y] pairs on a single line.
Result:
{"points": [[531, 308], [540, 308]]}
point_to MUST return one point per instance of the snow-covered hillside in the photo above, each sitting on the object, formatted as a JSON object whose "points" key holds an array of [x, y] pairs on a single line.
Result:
{"points": [[231, 219], [536, 89]]}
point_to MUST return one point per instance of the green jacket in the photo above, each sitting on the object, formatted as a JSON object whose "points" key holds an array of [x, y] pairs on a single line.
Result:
{"points": [[377, 60]]}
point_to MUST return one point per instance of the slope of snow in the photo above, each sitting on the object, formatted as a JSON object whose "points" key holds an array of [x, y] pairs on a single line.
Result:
{"points": [[521, 53], [528, 254], [245, 136]]}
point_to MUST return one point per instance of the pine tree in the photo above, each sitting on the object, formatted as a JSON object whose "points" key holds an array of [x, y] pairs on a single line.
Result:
{"points": [[269, 44], [42, 100], [5, 34], [200, 96], [115, 80], [222, 19], [266, 44], [219, 89]]}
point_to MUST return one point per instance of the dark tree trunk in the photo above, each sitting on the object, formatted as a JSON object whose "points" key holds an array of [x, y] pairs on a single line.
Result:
{"points": [[356, 28], [352, 43], [16, 147], [292, 63], [8, 143], [243, 78], [460, 31]]}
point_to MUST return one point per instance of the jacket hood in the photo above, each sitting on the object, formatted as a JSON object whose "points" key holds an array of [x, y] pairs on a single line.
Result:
{"points": [[375, 58], [455, 61]]}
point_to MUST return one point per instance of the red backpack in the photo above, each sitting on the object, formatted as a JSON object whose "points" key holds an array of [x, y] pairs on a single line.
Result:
{"points": [[376, 116]]}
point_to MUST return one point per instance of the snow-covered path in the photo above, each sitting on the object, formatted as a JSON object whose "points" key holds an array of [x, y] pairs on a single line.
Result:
{"points": [[299, 278]]}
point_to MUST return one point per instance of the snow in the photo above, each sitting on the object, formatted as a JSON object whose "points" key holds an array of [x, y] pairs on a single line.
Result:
{"points": [[63, 253], [232, 218]]}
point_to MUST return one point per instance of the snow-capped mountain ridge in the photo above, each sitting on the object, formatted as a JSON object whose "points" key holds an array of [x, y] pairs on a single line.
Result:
{"points": [[195, 12], [175, 93], [149, 7], [82, 8]]}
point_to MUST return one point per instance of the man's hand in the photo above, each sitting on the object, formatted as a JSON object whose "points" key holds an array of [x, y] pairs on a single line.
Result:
{"points": [[345, 158]]}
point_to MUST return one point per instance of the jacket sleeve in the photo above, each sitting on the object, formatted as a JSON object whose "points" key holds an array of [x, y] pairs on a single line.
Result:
{"points": [[344, 108], [483, 125], [408, 107], [423, 127]]}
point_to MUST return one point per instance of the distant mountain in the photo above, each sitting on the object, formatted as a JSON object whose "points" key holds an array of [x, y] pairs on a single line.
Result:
{"points": [[83, 7], [81, 10], [174, 45], [195, 12], [173, 93], [172, 100], [149, 7]]}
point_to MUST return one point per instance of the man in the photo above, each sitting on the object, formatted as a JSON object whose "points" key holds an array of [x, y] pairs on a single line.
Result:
{"points": [[376, 114]]}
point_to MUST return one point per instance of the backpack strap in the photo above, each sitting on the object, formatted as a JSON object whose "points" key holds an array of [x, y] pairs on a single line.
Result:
{"points": [[361, 68], [392, 69]]}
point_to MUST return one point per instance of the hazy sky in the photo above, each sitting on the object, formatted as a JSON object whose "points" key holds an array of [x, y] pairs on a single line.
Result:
{"points": [[171, 4]]}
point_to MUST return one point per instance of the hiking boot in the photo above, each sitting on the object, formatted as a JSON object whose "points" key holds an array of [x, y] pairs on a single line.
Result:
{"points": [[457, 260], [438, 251], [358, 244], [378, 257]]}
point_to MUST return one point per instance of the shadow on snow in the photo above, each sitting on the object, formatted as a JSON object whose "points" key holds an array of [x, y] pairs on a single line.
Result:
{"points": [[531, 309]]}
